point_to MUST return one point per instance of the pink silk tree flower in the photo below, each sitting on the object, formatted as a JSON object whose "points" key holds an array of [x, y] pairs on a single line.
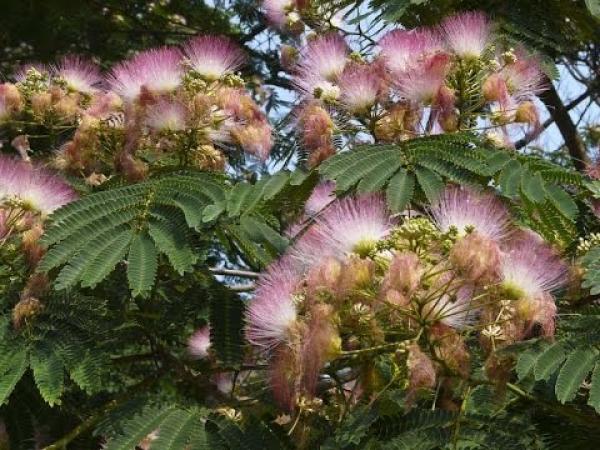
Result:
{"points": [[78, 74], [213, 56], [276, 11], [158, 71], [33, 188], [349, 225], [464, 208], [272, 315], [255, 138], [467, 34], [401, 49], [455, 310], [530, 267], [322, 195], [321, 62], [199, 343], [524, 77], [422, 82], [530, 271], [167, 115], [359, 86]]}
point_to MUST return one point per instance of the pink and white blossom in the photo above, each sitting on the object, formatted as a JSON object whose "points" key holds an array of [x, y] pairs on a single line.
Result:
{"points": [[467, 34], [322, 195], [277, 11], [359, 87], [199, 343], [272, 313], [524, 77], [422, 82], [78, 74], [321, 62], [32, 188], [350, 225], [213, 56], [463, 208], [457, 311], [402, 49], [158, 71], [167, 115], [532, 268]]}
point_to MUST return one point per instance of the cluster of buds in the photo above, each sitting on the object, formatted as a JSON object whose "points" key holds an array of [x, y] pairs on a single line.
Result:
{"points": [[425, 290], [166, 106], [426, 80], [54, 96]]}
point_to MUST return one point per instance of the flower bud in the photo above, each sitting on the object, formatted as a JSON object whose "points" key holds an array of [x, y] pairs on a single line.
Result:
{"points": [[494, 88], [67, 107], [393, 297], [421, 371], [202, 104], [30, 243], [10, 98], [400, 122], [255, 138], [325, 276], [448, 114], [450, 348], [21, 143], [320, 154], [527, 113], [134, 169], [41, 103], [477, 258], [207, 157], [357, 273], [316, 127], [25, 309], [404, 273]]}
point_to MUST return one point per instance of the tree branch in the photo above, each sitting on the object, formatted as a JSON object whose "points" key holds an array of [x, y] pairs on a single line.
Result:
{"points": [[234, 272], [560, 115]]}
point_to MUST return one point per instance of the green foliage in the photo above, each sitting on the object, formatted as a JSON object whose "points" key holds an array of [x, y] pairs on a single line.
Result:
{"points": [[165, 420], [569, 364], [13, 365], [591, 264], [251, 434], [422, 162], [227, 319], [91, 236], [48, 373], [142, 264]]}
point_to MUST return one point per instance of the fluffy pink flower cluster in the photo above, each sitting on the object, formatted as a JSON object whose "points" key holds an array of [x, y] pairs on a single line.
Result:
{"points": [[31, 189], [357, 281], [185, 104], [426, 80], [28, 194]]}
